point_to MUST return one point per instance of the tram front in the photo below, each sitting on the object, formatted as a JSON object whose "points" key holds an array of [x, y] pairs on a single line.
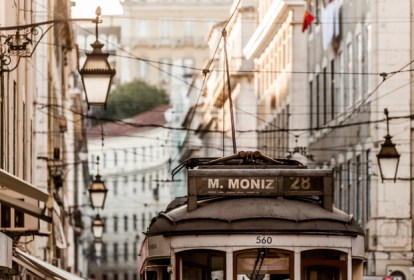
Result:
{"points": [[243, 221]]}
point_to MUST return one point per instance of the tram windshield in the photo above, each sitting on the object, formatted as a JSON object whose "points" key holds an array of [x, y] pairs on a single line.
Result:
{"points": [[201, 264], [263, 264]]}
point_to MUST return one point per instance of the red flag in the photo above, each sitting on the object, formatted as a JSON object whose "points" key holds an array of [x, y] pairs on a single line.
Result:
{"points": [[307, 20]]}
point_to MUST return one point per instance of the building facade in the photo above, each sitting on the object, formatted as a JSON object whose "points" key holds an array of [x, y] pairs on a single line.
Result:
{"points": [[278, 49], [347, 97], [324, 71], [134, 163], [218, 91], [41, 139]]}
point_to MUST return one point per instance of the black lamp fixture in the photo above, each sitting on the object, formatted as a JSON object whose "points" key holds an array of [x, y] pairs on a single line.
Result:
{"points": [[97, 228], [97, 73], [388, 157], [97, 191]]}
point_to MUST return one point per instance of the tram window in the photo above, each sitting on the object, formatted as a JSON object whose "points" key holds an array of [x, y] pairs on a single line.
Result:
{"points": [[157, 270], [324, 265], [201, 265], [263, 263]]}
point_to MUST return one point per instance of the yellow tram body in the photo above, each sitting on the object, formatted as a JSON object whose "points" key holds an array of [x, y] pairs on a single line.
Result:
{"points": [[253, 218]]}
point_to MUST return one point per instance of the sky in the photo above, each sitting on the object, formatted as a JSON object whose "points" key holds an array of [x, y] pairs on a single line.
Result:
{"points": [[86, 8]]}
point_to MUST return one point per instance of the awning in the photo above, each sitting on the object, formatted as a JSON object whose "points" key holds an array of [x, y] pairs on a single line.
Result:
{"points": [[41, 268], [18, 185], [24, 207]]}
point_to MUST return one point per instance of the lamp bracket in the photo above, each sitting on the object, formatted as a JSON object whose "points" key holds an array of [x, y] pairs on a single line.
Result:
{"points": [[22, 40]]}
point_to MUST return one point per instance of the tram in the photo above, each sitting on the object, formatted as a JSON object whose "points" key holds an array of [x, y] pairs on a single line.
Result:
{"points": [[251, 217]]}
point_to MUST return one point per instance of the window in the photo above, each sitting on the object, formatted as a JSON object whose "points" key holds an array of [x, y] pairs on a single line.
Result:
{"points": [[115, 224], [143, 222], [126, 156], [325, 96], [115, 158], [338, 192], [202, 264], [5, 216], [359, 66], [358, 189], [134, 251], [126, 223], [276, 264], [115, 252], [188, 64], [311, 118], [341, 99], [143, 30], [135, 155], [350, 92], [125, 251], [369, 56], [143, 183], [115, 187], [104, 223], [188, 28], [333, 89], [349, 189], [165, 30], [142, 69], [134, 222], [341, 186], [317, 102], [18, 218], [104, 252], [165, 70], [323, 264], [368, 185], [104, 159]]}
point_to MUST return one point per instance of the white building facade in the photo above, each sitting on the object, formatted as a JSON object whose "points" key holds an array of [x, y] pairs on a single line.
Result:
{"points": [[135, 164]]}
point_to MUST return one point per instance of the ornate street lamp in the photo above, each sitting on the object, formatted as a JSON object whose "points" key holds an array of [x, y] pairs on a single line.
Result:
{"points": [[97, 191], [97, 227], [97, 73], [388, 157]]}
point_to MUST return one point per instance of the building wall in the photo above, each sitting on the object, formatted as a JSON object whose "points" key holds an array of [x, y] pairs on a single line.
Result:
{"points": [[278, 50], [367, 45], [34, 98], [135, 168], [320, 94]]}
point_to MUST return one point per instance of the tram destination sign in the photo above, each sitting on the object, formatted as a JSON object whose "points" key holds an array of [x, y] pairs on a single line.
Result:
{"points": [[258, 182]]}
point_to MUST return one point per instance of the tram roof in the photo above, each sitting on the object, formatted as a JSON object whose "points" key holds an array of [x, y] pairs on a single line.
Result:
{"points": [[233, 215]]}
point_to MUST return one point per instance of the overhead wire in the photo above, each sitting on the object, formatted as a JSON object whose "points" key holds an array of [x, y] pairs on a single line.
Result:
{"points": [[391, 73]]}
